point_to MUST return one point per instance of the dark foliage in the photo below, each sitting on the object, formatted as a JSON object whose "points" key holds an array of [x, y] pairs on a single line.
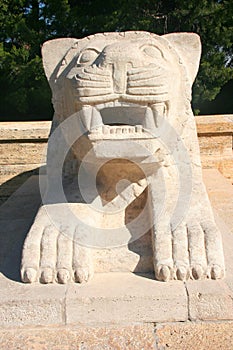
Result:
{"points": [[26, 24]]}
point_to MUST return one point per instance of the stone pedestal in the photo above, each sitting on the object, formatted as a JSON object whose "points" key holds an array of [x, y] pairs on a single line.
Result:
{"points": [[114, 310]]}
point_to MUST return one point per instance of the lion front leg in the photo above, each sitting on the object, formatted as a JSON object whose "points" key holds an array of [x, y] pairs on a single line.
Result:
{"points": [[191, 248]]}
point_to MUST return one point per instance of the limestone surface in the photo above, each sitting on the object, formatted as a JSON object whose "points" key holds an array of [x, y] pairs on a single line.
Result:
{"points": [[123, 162]]}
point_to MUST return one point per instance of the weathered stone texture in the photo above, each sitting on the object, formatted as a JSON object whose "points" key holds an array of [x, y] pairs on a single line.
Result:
{"points": [[195, 336], [135, 337], [210, 300], [175, 336]]}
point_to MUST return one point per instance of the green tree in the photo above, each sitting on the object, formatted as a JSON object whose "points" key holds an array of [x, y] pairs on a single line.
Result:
{"points": [[24, 90], [26, 24]]}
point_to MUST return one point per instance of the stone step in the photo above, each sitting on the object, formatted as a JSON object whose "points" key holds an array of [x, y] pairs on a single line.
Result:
{"points": [[174, 336]]}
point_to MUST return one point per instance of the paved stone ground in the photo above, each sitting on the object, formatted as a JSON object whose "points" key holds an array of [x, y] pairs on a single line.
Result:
{"points": [[178, 336], [117, 310]]}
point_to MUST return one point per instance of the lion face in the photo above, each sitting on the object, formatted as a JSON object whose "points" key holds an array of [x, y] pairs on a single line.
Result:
{"points": [[127, 71], [122, 87]]}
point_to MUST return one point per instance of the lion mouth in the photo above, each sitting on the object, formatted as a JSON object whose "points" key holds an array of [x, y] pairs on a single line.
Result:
{"points": [[122, 120]]}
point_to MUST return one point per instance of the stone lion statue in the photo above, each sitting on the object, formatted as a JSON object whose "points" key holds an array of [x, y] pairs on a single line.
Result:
{"points": [[124, 178]]}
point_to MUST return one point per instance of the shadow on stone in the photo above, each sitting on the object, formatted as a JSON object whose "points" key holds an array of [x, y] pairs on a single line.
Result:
{"points": [[9, 187], [21, 199], [141, 244]]}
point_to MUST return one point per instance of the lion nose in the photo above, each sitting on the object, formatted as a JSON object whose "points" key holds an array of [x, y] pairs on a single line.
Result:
{"points": [[119, 75], [118, 58]]}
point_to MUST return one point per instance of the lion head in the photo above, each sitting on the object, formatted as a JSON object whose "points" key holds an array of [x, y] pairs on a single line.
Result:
{"points": [[122, 86]]}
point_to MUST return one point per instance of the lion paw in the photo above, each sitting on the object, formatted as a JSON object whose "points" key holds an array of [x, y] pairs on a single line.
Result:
{"points": [[192, 250], [51, 254]]}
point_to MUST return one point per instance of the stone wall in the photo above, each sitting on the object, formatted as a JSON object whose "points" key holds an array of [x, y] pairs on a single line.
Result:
{"points": [[22, 150], [23, 145], [215, 134]]}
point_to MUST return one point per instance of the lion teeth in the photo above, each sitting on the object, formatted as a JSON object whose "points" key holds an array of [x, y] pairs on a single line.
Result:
{"points": [[105, 129], [158, 110], [138, 128], [119, 130], [86, 117], [149, 122], [96, 120], [92, 119]]}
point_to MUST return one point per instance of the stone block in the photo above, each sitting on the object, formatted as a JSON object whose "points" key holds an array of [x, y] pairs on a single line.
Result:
{"points": [[125, 297], [193, 336], [215, 134], [210, 300], [12, 131], [40, 305], [132, 337], [23, 153], [214, 124]]}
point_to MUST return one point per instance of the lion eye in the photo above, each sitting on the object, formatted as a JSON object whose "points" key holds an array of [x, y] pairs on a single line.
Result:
{"points": [[87, 56], [152, 51]]}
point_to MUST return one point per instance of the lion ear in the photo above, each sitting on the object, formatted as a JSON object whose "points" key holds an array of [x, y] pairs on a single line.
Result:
{"points": [[188, 47], [53, 52]]}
